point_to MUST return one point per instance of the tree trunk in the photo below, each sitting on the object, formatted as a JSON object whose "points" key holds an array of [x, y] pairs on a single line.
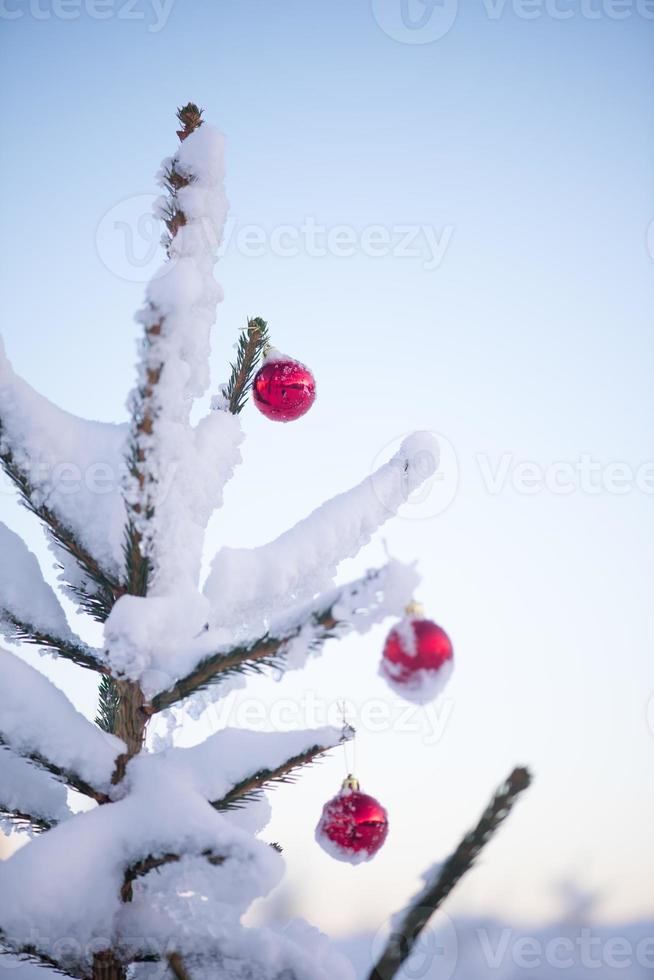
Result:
{"points": [[107, 967]]}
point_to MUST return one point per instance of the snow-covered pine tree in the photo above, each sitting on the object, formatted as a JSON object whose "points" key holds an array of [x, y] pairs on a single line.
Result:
{"points": [[82, 898]]}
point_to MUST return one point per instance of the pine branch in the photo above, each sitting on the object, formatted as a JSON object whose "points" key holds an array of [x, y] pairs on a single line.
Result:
{"points": [[144, 406], [424, 905], [108, 702], [137, 565], [77, 653], [250, 789], [67, 776], [153, 863], [26, 821], [263, 653], [98, 602], [176, 964], [30, 954], [251, 345]]}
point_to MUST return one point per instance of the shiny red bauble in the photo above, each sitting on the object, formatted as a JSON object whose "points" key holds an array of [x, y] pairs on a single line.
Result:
{"points": [[418, 658], [353, 825], [283, 389]]}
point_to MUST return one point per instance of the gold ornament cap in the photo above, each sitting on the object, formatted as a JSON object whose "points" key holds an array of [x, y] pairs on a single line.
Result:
{"points": [[350, 783], [415, 609]]}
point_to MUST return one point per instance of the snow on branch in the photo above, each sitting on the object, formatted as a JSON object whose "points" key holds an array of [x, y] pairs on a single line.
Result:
{"points": [[289, 639], [177, 473], [152, 862], [250, 788], [29, 609], [29, 796], [28, 953], [39, 723], [233, 764], [68, 471], [439, 882], [251, 584], [161, 824]]}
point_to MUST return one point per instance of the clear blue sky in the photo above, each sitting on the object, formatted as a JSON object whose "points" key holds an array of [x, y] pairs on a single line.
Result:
{"points": [[525, 146]]}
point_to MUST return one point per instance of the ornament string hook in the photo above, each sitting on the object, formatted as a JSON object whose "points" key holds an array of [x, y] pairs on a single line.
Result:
{"points": [[349, 736]]}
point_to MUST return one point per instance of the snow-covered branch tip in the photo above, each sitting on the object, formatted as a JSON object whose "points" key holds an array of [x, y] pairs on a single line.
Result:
{"points": [[144, 403], [440, 881], [25, 821], [152, 863], [66, 776], [251, 344], [267, 652], [30, 954], [77, 653], [30, 611], [302, 562], [98, 601], [302, 630], [250, 788]]}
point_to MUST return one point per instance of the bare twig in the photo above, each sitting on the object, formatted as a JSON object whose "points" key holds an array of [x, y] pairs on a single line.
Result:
{"points": [[423, 906]]}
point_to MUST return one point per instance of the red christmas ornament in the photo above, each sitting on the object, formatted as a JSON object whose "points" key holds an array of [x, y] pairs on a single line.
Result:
{"points": [[283, 389], [418, 657], [353, 825]]}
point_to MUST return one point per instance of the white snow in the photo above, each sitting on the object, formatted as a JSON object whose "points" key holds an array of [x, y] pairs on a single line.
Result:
{"points": [[24, 593], [44, 894], [422, 686], [295, 952], [29, 790], [339, 853], [158, 640], [36, 717], [232, 755], [185, 468], [251, 584], [76, 465]]}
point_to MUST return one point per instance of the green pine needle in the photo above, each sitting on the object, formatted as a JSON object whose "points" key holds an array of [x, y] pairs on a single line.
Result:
{"points": [[251, 345]]}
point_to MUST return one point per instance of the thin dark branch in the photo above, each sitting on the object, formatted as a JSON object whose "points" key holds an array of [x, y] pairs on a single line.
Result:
{"points": [[78, 654], [266, 652], [31, 954], [153, 863], [26, 821], [176, 964], [97, 602], [67, 776], [251, 345], [249, 788], [423, 906]]}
